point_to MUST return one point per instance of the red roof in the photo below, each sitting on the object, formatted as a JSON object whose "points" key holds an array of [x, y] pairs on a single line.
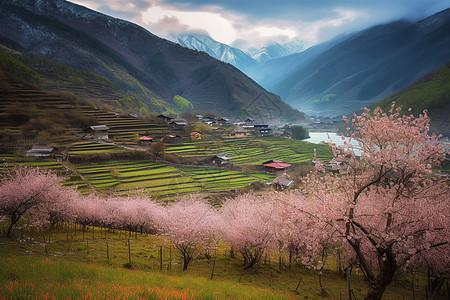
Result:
{"points": [[145, 138], [277, 165]]}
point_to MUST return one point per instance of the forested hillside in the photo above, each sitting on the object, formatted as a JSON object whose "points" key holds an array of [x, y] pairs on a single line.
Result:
{"points": [[432, 93]]}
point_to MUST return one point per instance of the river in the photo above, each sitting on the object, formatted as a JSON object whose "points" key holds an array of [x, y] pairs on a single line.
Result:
{"points": [[329, 137]]}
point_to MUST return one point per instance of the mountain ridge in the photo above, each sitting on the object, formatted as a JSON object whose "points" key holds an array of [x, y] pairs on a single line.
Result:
{"points": [[244, 60], [360, 68], [147, 68]]}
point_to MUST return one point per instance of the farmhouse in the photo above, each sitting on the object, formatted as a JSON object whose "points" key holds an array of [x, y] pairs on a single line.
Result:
{"points": [[273, 166], [171, 138], [240, 133], [249, 121], [265, 131], [220, 159], [145, 140], [195, 135], [98, 132], [178, 123], [221, 121], [337, 166], [282, 182], [41, 151], [164, 118]]}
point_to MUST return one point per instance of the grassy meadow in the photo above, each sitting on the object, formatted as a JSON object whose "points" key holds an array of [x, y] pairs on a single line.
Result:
{"points": [[68, 263]]}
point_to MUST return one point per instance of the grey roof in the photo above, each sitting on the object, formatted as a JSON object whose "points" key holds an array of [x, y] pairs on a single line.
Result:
{"points": [[179, 122], [40, 151], [222, 156], [99, 127], [283, 181]]}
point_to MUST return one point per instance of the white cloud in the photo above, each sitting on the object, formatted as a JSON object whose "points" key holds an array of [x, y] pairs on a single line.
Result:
{"points": [[271, 31], [248, 25], [219, 27]]}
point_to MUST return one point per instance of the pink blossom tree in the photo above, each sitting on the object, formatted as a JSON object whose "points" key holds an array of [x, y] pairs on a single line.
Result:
{"points": [[56, 211], [25, 189], [249, 226], [134, 214], [389, 210], [86, 211], [192, 227]]}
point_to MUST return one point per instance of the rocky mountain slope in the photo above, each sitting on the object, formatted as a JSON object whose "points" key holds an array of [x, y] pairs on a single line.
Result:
{"points": [[222, 52], [276, 50], [243, 60], [149, 70]]}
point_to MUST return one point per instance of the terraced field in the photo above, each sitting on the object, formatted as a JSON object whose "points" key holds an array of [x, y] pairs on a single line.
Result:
{"points": [[72, 179], [21, 97], [139, 177], [123, 129], [249, 152], [220, 180], [92, 148]]}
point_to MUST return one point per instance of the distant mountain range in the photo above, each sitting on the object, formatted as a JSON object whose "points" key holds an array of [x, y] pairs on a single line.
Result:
{"points": [[220, 51], [276, 50], [243, 60], [343, 75], [149, 71]]}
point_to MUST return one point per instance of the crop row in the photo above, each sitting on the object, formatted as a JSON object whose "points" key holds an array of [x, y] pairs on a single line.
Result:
{"points": [[138, 177], [250, 151], [220, 179]]}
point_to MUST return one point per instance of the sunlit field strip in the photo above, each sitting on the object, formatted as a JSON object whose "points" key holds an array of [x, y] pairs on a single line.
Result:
{"points": [[40, 164], [129, 164], [86, 152], [164, 183]]}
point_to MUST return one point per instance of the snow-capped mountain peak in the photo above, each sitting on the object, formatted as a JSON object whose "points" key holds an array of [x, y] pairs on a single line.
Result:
{"points": [[220, 51]]}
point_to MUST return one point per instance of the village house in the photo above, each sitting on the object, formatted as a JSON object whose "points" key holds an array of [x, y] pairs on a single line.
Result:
{"points": [[172, 138], [145, 140], [275, 166], [240, 132], [178, 123], [265, 131], [98, 132], [282, 182], [249, 121], [221, 121], [337, 166], [41, 151], [220, 159], [280, 133], [164, 118], [195, 135]]}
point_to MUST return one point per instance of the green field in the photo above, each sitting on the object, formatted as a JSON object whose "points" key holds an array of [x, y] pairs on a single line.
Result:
{"points": [[219, 179], [249, 152], [92, 148], [166, 182]]}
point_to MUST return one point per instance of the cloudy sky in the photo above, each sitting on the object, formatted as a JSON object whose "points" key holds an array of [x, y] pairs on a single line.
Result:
{"points": [[255, 23]]}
